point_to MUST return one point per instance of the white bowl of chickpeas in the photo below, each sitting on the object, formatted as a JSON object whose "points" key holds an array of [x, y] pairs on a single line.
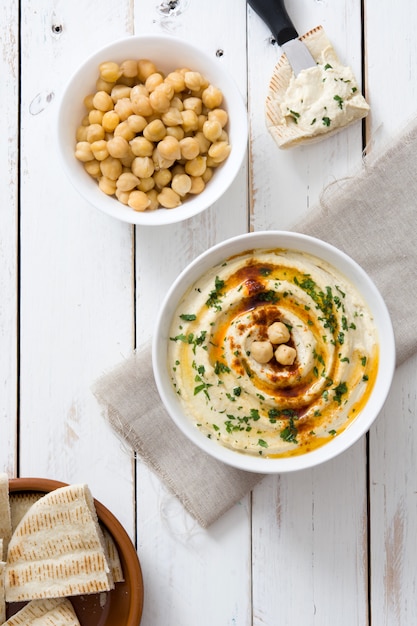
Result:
{"points": [[152, 130], [273, 352]]}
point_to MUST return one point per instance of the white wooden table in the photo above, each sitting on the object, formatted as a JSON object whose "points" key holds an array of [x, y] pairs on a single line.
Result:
{"points": [[79, 290]]}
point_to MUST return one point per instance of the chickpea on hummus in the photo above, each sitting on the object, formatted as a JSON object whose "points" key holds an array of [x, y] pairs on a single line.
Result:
{"points": [[273, 353]]}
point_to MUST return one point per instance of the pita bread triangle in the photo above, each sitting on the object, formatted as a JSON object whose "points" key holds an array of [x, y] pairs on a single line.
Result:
{"points": [[5, 517], [48, 612], [2, 596], [58, 549]]}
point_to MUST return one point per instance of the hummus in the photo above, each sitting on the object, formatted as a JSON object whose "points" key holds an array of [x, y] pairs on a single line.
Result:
{"points": [[273, 409]]}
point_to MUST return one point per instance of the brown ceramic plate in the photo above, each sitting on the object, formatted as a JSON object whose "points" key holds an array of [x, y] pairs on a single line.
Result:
{"points": [[123, 605]]}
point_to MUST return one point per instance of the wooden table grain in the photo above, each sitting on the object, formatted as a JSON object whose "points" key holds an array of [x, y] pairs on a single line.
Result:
{"points": [[79, 290]]}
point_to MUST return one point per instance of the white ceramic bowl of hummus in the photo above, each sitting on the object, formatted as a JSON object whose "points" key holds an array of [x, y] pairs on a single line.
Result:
{"points": [[167, 54], [273, 352]]}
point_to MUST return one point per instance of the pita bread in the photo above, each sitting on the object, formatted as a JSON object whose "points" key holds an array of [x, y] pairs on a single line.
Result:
{"points": [[113, 556], [20, 503], [58, 549], [2, 597], [49, 612], [5, 517], [284, 126]]}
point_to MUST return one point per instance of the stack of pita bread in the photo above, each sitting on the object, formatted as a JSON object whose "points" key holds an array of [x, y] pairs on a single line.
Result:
{"points": [[52, 546]]}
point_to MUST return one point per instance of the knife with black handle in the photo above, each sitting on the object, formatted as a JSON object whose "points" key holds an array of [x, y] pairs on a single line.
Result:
{"points": [[275, 16]]}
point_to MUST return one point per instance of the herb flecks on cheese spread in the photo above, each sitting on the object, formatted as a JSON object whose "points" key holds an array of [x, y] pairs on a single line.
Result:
{"points": [[273, 409], [323, 97]]}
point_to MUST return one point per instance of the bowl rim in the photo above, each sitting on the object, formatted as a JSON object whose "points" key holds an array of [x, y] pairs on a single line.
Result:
{"points": [[199, 203], [257, 240], [127, 552]]}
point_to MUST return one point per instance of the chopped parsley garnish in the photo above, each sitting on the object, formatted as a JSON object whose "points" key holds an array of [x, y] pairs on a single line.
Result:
{"points": [[326, 121], [262, 443], [267, 296], [290, 432], [214, 295], [220, 368], [339, 101], [339, 391], [328, 66], [188, 317]]}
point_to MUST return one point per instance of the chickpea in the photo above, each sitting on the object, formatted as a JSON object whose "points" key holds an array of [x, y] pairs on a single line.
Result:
{"points": [[153, 81], [102, 85], [95, 116], [95, 132], [107, 186], [168, 198], [208, 173], [155, 130], [88, 102], [109, 71], [110, 121], [136, 123], [176, 79], [120, 91], [177, 169], [102, 101], [111, 168], [175, 131], [143, 167], [122, 196], [212, 130], [169, 148], [189, 147], [124, 130], [278, 333], [219, 151], [177, 103], [142, 147], [193, 80], [212, 97], [127, 181], [146, 184], [172, 117], [138, 200], [159, 100], [141, 105], [100, 150], [162, 178], [153, 197], [201, 120], [83, 151], [159, 162], [193, 104], [123, 108], [118, 147], [261, 351], [203, 142], [285, 354], [139, 90], [197, 185], [189, 121], [93, 168], [197, 166], [145, 69], [127, 160], [129, 68], [81, 134], [220, 115], [181, 184]]}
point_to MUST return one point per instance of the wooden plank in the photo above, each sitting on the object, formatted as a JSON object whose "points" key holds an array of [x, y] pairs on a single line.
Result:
{"points": [[203, 575], [392, 92], [309, 528], [9, 70], [77, 268]]}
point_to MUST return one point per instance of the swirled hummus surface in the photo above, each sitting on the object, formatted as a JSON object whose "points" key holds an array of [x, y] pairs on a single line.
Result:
{"points": [[270, 408]]}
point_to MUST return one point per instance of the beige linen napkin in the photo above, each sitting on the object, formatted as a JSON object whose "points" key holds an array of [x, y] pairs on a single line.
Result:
{"points": [[372, 217]]}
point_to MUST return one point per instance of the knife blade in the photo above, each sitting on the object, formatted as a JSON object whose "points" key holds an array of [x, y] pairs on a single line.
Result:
{"points": [[275, 16]]}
